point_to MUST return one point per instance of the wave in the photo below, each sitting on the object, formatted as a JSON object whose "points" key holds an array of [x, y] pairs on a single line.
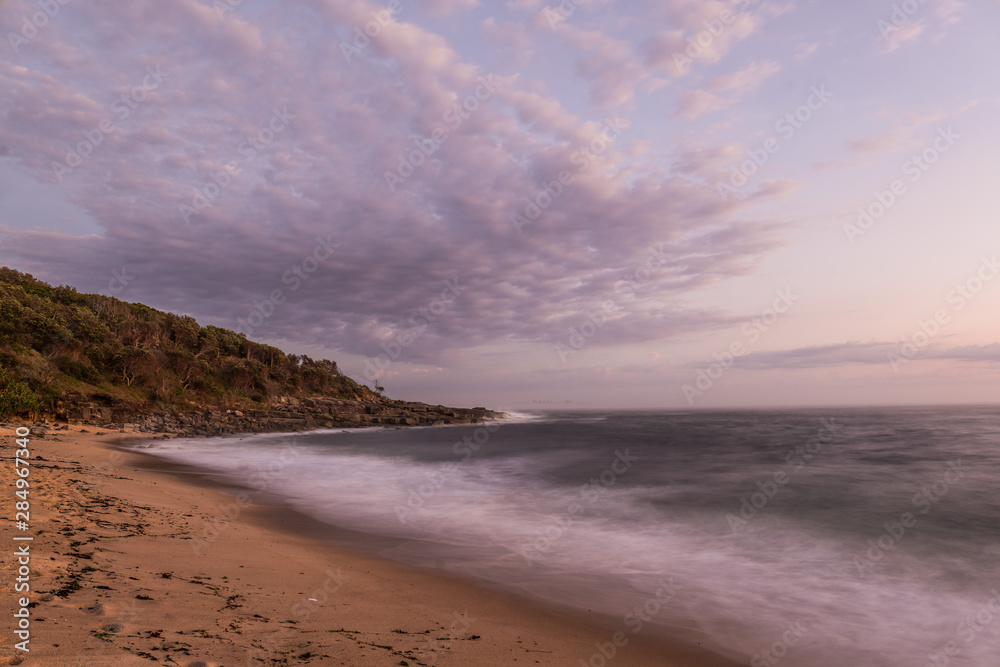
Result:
{"points": [[609, 546]]}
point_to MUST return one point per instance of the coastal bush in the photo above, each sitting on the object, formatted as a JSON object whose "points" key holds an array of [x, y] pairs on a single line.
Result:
{"points": [[80, 369], [54, 339], [15, 397]]}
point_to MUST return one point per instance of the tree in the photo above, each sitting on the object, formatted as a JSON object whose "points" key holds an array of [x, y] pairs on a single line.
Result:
{"points": [[132, 363]]}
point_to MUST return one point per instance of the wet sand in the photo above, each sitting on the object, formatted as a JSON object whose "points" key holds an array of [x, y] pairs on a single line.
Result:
{"points": [[138, 563]]}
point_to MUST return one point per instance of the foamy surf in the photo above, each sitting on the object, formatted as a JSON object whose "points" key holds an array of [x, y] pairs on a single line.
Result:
{"points": [[759, 533]]}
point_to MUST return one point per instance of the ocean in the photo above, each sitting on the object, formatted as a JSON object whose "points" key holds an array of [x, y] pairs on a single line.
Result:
{"points": [[862, 537]]}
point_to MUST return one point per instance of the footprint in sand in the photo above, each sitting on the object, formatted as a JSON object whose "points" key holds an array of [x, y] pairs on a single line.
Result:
{"points": [[121, 616], [96, 609]]}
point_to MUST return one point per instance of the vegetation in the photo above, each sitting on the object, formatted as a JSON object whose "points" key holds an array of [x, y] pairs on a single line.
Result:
{"points": [[55, 340]]}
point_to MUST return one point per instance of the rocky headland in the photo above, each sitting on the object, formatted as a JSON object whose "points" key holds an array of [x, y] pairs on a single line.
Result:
{"points": [[283, 414]]}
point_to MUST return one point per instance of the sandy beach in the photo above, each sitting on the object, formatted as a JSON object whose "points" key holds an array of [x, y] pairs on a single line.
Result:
{"points": [[131, 565]]}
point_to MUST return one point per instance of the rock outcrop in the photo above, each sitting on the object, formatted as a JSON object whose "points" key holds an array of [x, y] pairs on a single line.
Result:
{"points": [[283, 414]]}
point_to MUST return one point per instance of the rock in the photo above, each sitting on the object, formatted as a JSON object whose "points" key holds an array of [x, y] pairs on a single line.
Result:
{"points": [[279, 414]]}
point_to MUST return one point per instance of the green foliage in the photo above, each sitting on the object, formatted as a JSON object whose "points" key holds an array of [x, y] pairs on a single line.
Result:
{"points": [[79, 369], [55, 338], [15, 397]]}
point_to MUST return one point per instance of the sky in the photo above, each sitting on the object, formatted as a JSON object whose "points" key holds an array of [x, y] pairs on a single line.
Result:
{"points": [[595, 204]]}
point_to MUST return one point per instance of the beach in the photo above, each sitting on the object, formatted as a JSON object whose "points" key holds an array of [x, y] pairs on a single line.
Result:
{"points": [[133, 563]]}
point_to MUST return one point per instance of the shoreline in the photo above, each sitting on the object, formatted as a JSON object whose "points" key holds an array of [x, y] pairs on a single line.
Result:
{"points": [[268, 587]]}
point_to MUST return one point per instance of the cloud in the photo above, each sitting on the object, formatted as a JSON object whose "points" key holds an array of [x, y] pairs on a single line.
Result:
{"points": [[819, 356], [273, 197], [445, 7], [900, 36], [948, 10], [903, 27], [697, 103], [638, 148], [897, 138], [888, 142], [775, 188], [744, 80], [607, 63], [973, 353], [513, 39], [707, 160], [804, 50], [700, 36], [836, 164], [874, 353]]}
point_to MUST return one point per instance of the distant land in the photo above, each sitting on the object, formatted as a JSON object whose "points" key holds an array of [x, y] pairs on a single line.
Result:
{"points": [[93, 359]]}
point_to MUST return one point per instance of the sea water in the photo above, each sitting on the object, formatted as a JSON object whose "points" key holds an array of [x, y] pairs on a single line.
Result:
{"points": [[863, 537]]}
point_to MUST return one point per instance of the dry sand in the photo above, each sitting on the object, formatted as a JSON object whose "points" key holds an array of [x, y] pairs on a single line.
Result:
{"points": [[115, 580]]}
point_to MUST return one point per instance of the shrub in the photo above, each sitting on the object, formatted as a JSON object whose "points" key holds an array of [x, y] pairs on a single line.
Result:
{"points": [[15, 397]]}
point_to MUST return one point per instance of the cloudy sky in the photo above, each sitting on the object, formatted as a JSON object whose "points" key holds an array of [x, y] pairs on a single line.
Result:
{"points": [[603, 203]]}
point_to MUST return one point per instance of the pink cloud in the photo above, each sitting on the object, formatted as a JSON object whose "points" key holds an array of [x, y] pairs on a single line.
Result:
{"points": [[209, 128]]}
